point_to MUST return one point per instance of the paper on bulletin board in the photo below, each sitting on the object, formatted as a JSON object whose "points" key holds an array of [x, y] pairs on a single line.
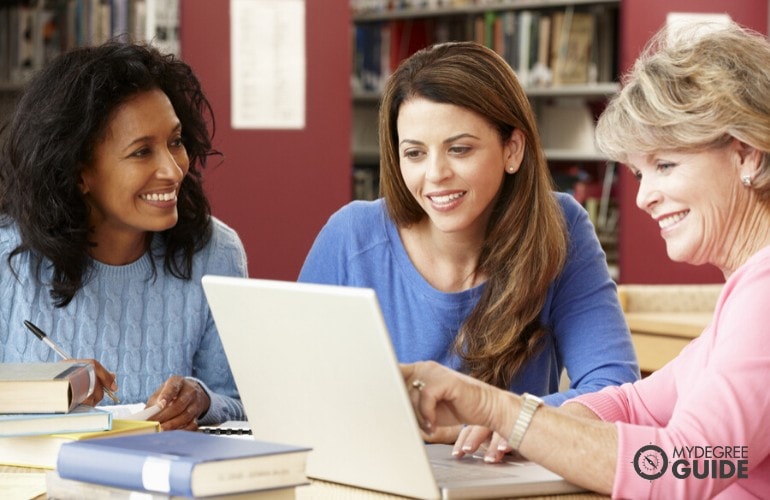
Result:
{"points": [[267, 64]]}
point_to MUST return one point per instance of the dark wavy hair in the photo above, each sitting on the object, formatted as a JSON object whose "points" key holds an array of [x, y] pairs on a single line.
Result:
{"points": [[61, 116], [525, 246]]}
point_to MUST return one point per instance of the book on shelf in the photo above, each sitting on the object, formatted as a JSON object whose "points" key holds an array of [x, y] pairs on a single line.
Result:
{"points": [[367, 63], [22, 49], [70, 489], [604, 50], [541, 74], [41, 451], [572, 36], [83, 418], [184, 463], [5, 33], [524, 45], [365, 183], [380, 46], [31, 39], [44, 387], [407, 36], [508, 48], [162, 25]]}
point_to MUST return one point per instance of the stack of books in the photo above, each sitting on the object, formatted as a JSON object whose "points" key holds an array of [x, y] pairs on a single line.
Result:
{"points": [[41, 409], [92, 454]]}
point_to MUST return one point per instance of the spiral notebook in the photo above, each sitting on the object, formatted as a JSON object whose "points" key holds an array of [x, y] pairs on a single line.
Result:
{"points": [[315, 367]]}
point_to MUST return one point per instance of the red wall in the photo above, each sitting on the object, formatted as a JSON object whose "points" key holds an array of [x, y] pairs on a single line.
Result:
{"points": [[642, 255], [277, 187]]}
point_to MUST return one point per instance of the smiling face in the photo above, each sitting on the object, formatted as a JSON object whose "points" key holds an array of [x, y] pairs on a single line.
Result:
{"points": [[697, 200], [453, 162], [132, 184]]}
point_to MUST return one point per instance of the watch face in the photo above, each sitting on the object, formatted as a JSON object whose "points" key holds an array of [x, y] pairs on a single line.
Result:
{"points": [[650, 462]]}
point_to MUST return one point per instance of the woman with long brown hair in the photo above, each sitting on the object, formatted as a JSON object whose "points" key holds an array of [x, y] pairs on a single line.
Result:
{"points": [[476, 262]]}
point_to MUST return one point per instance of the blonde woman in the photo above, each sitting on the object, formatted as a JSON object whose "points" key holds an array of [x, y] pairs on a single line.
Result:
{"points": [[693, 124]]}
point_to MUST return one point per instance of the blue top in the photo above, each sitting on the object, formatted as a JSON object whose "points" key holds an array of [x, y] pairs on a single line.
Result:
{"points": [[360, 246], [141, 328]]}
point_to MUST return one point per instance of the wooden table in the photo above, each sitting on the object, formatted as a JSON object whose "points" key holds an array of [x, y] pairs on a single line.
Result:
{"points": [[658, 337], [19, 490], [22, 483], [332, 491]]}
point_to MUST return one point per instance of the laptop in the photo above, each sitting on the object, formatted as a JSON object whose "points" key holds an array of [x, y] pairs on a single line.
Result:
{"points": [[315, 367]]}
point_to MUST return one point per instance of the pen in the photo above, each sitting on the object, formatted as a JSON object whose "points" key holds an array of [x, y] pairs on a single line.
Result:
{"points": [[40, 334]]}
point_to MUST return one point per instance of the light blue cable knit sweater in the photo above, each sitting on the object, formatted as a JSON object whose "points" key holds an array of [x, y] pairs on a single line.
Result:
{"points": [[142, 328]]}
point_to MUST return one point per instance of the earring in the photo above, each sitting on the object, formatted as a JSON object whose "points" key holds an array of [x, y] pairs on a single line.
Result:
{"points": [[511, 169], [746, 180]]}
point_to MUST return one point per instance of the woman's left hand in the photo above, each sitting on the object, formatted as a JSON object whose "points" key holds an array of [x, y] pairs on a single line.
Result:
{"points": [[185, 401]]}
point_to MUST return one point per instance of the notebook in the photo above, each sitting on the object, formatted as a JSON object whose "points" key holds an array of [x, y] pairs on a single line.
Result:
{"points": [[315, 367]]}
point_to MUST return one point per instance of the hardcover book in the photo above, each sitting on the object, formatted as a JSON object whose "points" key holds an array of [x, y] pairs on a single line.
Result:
{"points": [[572, 38], [82, 419], [184, 463], [41, 451], [44, 387]]}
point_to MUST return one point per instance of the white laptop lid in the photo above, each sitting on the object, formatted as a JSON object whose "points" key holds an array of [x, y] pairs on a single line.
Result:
{"points": [[315, 367]]}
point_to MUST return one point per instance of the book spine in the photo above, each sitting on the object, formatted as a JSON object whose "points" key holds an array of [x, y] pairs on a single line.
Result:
{"points": [[124, 468], [82, 379]]}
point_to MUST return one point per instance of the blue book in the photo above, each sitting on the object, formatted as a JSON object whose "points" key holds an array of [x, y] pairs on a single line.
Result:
{"points": [[82, 419], [184, 463]]}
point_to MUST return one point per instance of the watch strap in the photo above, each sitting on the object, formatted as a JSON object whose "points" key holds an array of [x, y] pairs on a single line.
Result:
{"points": [[529, 404]]}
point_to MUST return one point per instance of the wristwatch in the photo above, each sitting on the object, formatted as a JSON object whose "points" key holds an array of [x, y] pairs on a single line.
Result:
{"points": [[529, 404]]}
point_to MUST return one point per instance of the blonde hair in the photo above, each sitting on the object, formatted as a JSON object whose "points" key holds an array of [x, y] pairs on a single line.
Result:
{"points": [[526, 240], [694, 89]]}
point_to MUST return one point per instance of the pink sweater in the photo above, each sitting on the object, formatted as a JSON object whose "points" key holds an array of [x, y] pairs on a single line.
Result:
{"points": [[711, 401]]}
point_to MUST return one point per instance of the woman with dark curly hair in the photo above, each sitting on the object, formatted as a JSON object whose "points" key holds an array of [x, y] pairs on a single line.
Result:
{"points": [[105, 230]]}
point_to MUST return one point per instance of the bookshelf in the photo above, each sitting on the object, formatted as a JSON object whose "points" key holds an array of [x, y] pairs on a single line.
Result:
{"points": [[526, 33], [367, 10], [32, 32]]}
